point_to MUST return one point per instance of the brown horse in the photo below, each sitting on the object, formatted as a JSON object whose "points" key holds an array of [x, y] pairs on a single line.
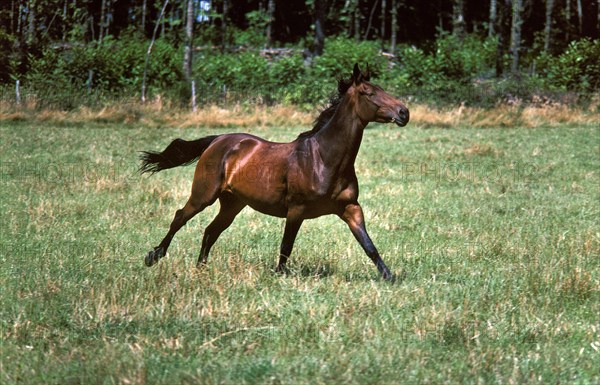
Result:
{"points": [[312, 176]]}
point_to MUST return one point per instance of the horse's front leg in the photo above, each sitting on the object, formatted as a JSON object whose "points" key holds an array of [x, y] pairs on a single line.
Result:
{"points": [[353, 215], [292, 225]]}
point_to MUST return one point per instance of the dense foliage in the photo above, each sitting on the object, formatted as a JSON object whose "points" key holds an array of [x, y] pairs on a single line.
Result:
{"points": [[452, 71], [97, 51]]}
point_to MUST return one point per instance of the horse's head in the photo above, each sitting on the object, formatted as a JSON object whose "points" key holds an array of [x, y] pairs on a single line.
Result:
{"points": [[372, 103]]}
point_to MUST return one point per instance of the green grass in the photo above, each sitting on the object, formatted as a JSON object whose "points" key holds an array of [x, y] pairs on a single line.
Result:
{"points": [[496, 232]]}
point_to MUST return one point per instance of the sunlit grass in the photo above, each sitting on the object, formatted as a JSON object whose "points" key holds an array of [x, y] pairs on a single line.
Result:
{"points": [[495, 231]]}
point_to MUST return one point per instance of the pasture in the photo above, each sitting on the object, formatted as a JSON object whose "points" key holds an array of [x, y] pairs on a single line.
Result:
{"points": [[495, 231]]}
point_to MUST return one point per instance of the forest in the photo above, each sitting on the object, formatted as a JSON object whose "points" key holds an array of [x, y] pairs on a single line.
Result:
{"points": [[66, 53]]}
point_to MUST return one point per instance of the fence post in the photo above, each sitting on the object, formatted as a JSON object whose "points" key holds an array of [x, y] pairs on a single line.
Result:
{"points": [[89, 82], [193, 95], [18, 92]]}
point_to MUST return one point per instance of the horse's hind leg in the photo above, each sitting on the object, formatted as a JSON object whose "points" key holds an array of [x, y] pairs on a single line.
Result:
{"points": [[181, 217], [230, 207], [198, 201]]}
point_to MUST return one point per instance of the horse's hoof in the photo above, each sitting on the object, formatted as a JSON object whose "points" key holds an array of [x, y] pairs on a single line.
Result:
{"points": [[395, 278], [388, 276], [153, 256]]}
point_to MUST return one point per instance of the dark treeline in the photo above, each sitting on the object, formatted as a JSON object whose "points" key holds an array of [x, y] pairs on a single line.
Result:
{"points": [[516, 36]]}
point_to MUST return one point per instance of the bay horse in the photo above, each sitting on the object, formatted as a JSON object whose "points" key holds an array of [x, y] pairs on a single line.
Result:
{"points": [[312, 176]]}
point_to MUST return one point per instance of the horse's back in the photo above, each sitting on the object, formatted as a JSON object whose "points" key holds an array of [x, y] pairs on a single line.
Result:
{"points": [[249, 167]]}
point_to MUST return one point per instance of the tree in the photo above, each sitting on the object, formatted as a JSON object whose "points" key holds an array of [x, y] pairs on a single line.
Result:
{"points": [[394, 26], [189, 41], [492, 22], [548, 26], [270, 17], [357, 17], [515, 35], [383, 13], [580, 17], [370, 23], [319, 42], [224, 25], [458, 18]]}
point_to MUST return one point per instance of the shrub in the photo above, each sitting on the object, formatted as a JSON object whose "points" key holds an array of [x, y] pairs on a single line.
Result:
{"points": [[340, 54], [464, 59], [116, 66], [576, 69]]}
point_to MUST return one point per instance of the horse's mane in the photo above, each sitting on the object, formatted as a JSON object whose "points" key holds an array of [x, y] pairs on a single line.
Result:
{"points": [[326, 115]]}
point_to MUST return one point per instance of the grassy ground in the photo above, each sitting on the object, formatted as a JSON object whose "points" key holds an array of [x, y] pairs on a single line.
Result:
{"points": [[496, 231]]}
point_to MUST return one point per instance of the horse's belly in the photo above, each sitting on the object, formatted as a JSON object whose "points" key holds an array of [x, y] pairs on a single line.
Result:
{"points": [[260, 189]]}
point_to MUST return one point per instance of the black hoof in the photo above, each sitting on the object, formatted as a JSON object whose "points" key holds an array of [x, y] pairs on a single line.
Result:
{"points": [[391, 278], [394, 278], [154, 256], [282, 269]]}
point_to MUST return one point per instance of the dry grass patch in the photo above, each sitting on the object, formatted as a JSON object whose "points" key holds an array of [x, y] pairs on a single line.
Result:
{"points": [[158, 113], [502, 116], [238, 116]]}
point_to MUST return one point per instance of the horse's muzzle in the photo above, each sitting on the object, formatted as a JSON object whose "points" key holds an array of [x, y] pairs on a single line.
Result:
{"points": [[403, 117]]}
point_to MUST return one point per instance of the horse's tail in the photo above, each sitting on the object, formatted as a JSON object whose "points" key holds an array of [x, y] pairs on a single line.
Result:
{"points": [[179, 153]]}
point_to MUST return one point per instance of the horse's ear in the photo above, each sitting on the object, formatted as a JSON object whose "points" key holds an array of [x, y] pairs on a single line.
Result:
{"points": [[357, 76], [367, 74]]}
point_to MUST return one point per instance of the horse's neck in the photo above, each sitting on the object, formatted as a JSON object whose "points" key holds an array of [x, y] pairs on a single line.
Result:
{"points": [[339, 141]]}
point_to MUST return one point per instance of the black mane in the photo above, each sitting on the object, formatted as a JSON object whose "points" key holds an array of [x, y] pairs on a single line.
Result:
{"points": [[326, 115]]}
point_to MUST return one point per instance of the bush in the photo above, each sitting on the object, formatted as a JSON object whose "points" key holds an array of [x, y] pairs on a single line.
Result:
{"points": [[453, 71], [464, 59], [340, 54], [448, 73], [576, 69], [239, 76], [116, 67]]}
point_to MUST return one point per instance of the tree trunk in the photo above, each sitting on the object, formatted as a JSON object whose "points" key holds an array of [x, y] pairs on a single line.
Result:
{"points": [[356, 20], [503, 31], [144, 10], [394, 26], [348, 12], [270, 13], [515, 36], [189, 41], [370, 20], [548, 26], [568, 17], [101, 24], [145, 74], [319, 42], [224, 26], [580, 17], [31, 30], [492, 24], [19, 18], [383, 14], [64, 21], [458, 18]]}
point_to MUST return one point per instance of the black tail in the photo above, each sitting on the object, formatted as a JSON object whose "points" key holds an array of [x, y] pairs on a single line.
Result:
{"points": [[179, 153]]}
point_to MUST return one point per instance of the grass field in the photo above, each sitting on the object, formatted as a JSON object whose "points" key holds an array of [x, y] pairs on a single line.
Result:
{"points": [[496, 231]]}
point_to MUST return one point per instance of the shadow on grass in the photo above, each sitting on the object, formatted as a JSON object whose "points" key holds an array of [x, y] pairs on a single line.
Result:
{"points": [[325, 270], [306, 270]]}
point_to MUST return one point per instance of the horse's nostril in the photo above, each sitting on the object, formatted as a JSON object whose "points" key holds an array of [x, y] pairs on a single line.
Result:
{"points": [[403, 114]]}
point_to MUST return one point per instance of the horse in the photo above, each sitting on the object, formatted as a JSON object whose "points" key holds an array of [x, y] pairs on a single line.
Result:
{"points": [[312, 176]]}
